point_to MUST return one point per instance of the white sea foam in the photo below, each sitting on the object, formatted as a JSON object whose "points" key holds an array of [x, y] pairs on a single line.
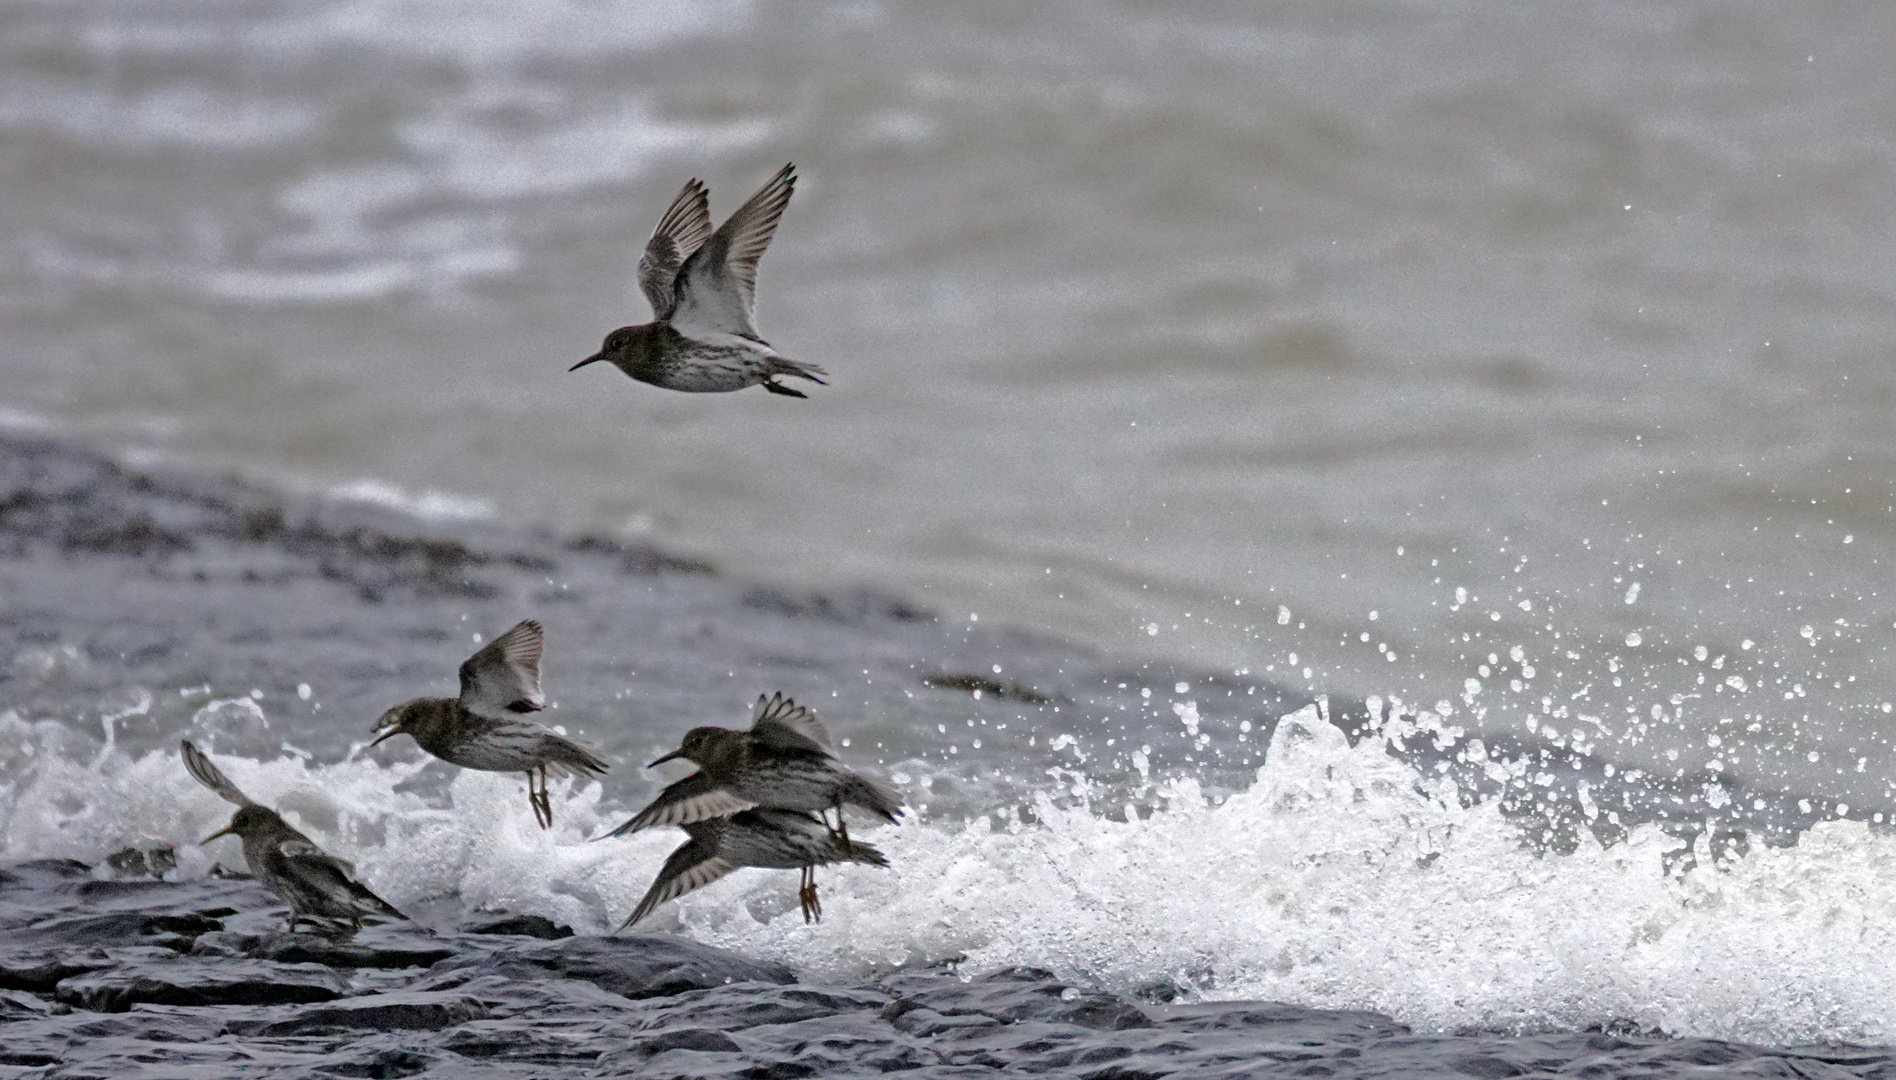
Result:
{"points": [[430, 503], [1342, 878]]}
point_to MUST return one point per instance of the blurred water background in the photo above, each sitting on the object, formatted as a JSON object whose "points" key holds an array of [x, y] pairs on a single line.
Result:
{"points": [[1533, 359]]}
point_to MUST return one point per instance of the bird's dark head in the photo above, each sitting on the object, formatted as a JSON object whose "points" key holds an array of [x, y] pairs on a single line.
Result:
{"points": [[699, 743], [409, 718], [248, 821], [622, 345]]}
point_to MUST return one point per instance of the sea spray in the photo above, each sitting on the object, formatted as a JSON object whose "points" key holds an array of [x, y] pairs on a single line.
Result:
{"points": [[1343, 877]]}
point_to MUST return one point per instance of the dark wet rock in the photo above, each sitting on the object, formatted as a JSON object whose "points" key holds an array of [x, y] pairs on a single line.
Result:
{"points": [[737, 1007], [15, 1005], [503, 1005], [112, 928], [40, 972], [1017, 994], [632, 967], [859, 1042], [572, 1045], [136, 862], [42, 873], [385, 945], [38, 955], [195, 981], [224, 943], [1266, 1017], [419, 1011], [388, 1056], [925, 1022], [705, 1040], [538, 926]]}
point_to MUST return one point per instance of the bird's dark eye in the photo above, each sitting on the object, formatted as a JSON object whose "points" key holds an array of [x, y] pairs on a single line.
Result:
{"points": [[613, 341]]}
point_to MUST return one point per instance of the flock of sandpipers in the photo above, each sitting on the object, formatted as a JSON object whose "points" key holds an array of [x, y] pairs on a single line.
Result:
{"points": [[761, 797]]}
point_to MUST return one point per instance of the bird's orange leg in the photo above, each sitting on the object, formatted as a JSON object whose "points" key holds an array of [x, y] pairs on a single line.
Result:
{"points": [[807, 898], [537, 798]]}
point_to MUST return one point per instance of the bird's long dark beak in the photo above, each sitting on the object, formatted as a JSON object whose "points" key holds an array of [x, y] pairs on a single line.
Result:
{"points": [[393, 730], [588, 360], [673, 756], [225, 831]]}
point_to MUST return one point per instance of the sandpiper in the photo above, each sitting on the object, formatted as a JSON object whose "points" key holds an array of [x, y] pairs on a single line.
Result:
{"points": [[320, 888], [703, 287], [772, 839], [784, 762], [486, 727]]}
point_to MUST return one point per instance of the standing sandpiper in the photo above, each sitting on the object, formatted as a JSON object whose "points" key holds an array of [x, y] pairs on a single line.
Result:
{"points": [[772, 839], [320, 888], [485, 728], [785, 762], [703, 287]]}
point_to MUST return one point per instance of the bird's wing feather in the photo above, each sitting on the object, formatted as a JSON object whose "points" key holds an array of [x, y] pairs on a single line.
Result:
{"points": [[210, 775], [504, 677], [694, 865], [782, 724], [508, 742], [306, 854], [683, 230], [695, 798], [332, 875], [564, 757], [717, 286]]}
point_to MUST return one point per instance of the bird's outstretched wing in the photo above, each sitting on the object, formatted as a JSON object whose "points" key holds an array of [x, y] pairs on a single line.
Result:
{"points": [[782, 724], [694, 865], [313, 867], [717, 287], [683, 230], [695, 798], [504, 677], [210, 775]]}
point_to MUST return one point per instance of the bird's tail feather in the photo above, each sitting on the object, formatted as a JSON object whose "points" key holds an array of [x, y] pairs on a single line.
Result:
{"points": [[874, 798], [371, 904], [568, 758], [783, 365], [866, 853]]}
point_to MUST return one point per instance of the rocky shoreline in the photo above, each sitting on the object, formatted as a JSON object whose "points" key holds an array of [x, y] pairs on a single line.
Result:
{"points": [[125, 979]]}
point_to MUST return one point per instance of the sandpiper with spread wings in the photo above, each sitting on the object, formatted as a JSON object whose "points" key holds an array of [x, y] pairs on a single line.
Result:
{"points": [[772, 839], [784, 762], [703, 288], [486, 727], [320, 888]]}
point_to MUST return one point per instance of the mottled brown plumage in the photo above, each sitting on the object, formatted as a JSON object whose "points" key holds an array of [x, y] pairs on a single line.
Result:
{"points": [[773, 839], [320, 888], [703, 289], [486, 727], [785, 762]]}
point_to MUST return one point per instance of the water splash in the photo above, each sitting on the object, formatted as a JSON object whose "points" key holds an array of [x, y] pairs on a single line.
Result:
{"points": [[1341, 878]]}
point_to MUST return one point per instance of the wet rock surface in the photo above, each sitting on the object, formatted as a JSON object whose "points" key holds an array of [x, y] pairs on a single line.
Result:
{"points": [[158, 987]]}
